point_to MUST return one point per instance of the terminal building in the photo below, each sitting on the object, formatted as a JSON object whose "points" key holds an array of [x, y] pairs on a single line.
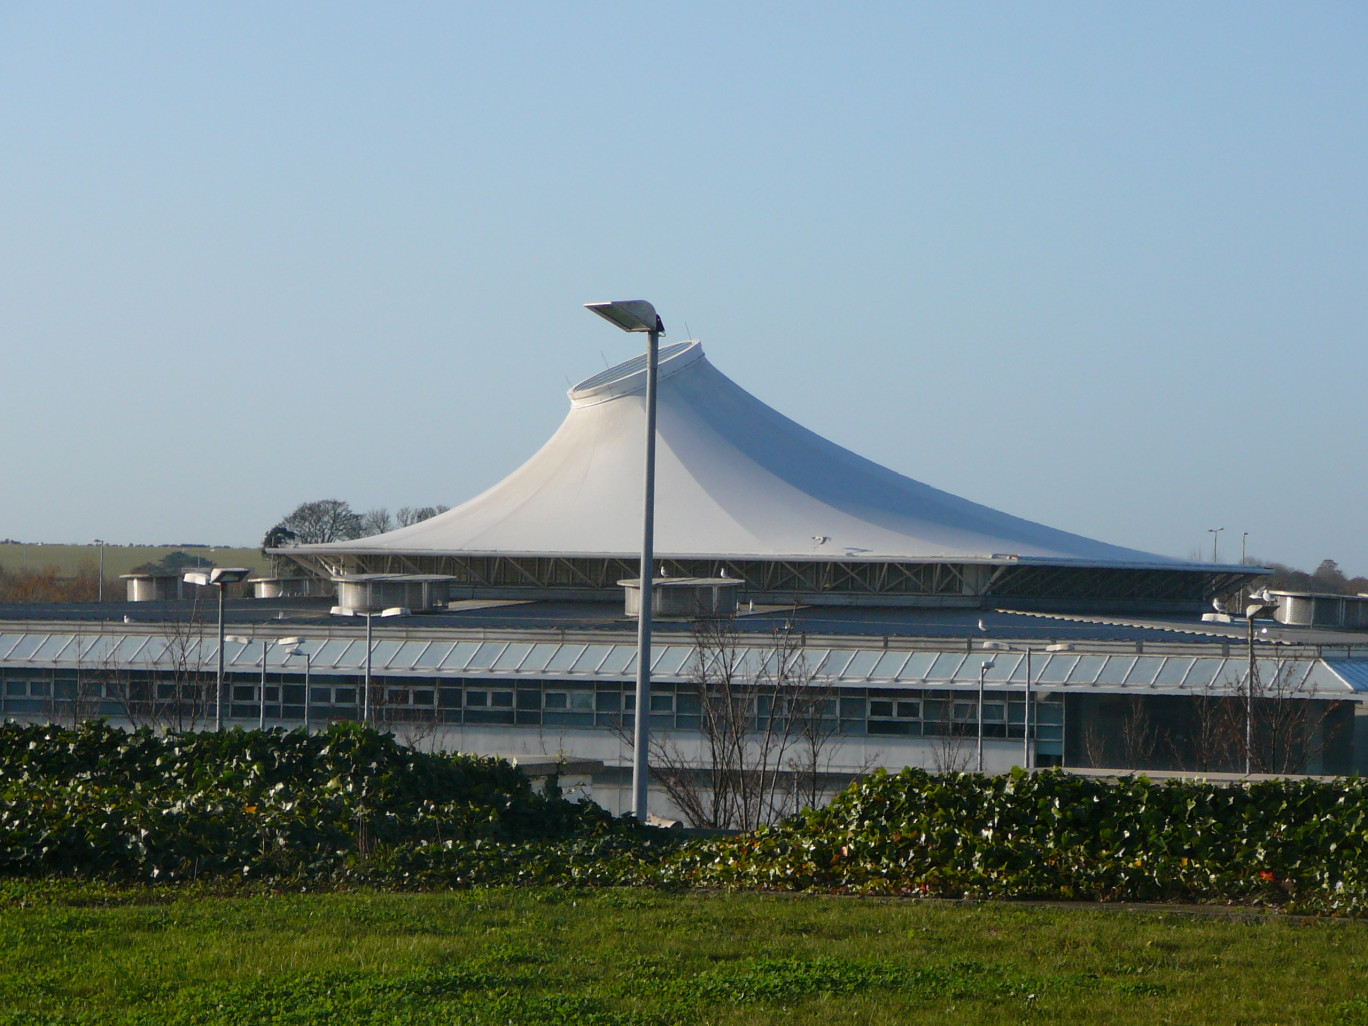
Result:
{"points": [[787, 563]]}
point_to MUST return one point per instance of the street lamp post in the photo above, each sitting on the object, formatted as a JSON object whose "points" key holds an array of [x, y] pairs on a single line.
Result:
{"points": [[295, 647], [219, 576], [100, 592], [984, 667], [1003, 646], [1260, 605], [1215, 533], [637, 315], [369, 615], [261, 697]]}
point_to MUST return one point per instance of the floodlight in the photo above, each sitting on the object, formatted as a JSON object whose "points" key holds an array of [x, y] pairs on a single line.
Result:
{"points": [[629, 315], [218, 576]]}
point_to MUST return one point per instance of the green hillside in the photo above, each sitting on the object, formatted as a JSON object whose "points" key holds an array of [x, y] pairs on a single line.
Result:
{"points": [[71, 560]]}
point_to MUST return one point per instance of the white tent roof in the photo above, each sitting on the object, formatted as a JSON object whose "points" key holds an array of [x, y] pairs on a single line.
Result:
{"points": [[734, 479]]}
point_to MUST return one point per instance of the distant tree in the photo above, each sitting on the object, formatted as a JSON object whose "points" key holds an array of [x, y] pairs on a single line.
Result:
{"points": [[1327, 578], [410, 515], [322, 521], [376, 521], [276, 537]]}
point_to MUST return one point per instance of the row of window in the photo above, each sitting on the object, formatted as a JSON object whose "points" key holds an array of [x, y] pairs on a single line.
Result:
{"points": [[854, 711]]}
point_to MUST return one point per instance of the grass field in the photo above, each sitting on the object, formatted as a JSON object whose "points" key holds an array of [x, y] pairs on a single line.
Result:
{"points": [[119, 559], [90, 954]]}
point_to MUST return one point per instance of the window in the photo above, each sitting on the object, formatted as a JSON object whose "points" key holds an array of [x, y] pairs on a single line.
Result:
{"points": [[892, 713]]}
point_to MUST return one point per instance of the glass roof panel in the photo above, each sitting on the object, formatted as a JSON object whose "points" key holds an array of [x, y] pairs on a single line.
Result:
{"points": [[672, 661], [460, 655], [331, 652], [7, 643], [539, 656], [353, 655], [1203, 673], [945, 666], [1054, 668], [235, 653], [433, 655], [863, 662], [29, 644], [1087, 668], [159, 652], [52, 646], [819, 660], [618, 659], [1007, 667], [918, 666], [591, 657], [199, 651], [889, 666], [1284, 676], [1144, 670], [1174, 670], [409, 652], [129, 647], [748, 664], [837, 662], [97, 650], [969, 668], [486, 654], [512, 657], [565, 658], [1116, 669], [383, 653]]}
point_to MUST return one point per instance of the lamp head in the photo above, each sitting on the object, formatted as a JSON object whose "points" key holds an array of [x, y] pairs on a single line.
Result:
{"points": [[629, 315]]}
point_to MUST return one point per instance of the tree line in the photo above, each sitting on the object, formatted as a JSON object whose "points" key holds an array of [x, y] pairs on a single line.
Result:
{"points": [[332, 520], [1327, 577]]}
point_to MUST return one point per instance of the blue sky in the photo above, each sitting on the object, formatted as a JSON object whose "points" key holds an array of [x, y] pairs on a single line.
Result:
{"points": [[1100, 265]]}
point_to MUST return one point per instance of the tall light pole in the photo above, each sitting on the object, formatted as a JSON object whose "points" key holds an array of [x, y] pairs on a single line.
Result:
{"points": [[219, 576], [261, 698], [984, 667], [1002, 646], [295, 647], [1259, 605], [100, 593], [369, 615], [640, 316], [1215, 533]]}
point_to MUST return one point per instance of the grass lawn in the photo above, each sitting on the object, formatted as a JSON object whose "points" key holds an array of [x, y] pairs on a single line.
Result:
{"points": [[89, 954]]}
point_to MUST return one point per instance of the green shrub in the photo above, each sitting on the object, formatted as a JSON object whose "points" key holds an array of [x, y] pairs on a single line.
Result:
{"points": [[98, 802], [1053, 835]]}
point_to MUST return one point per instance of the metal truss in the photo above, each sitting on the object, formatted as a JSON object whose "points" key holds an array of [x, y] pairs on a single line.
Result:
{"points": [[811, 581]]}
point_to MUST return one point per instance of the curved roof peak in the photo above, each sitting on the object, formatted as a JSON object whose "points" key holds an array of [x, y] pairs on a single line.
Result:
{"points": [[629, 377]]}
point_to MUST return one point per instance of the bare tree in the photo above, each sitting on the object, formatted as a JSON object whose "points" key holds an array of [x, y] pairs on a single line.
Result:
{"points": [[322, 521], [1287, 727], [177, 693], [1137, 736], [1094, 745], [1209, 743], [376, 521], [72, 701], [764, 732], [950, 752], [408, 708], [407, 516]]}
